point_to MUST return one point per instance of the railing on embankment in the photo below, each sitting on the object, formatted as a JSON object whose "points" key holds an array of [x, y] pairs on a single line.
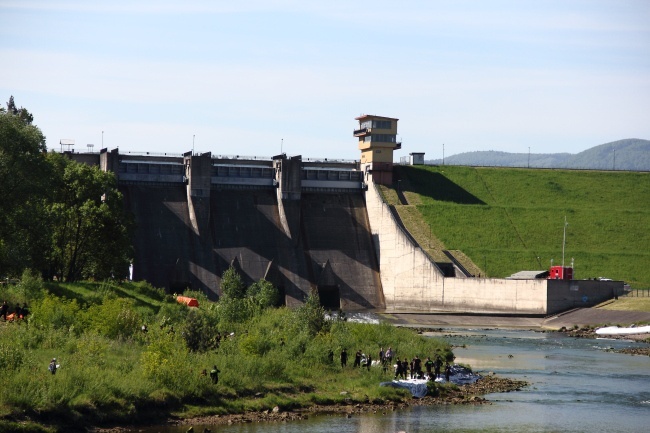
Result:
{"points": [[638, 293]]}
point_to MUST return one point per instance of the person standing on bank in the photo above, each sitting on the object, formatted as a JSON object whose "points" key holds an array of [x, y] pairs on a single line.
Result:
{"points": [[344, 358], [214, 374], [52, 367], [4, 309]]}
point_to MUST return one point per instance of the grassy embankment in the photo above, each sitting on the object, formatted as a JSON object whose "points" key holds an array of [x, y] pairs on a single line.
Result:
{"points": [[628, 303], [111, 372], [507, 220]]}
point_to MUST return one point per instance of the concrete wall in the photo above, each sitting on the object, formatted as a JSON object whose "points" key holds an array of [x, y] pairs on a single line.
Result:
{"points": [[412, 282], [168, 251], [564, 295]]}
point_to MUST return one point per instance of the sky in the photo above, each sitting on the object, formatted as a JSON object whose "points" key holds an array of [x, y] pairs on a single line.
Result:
{"points": [[257, 78]]}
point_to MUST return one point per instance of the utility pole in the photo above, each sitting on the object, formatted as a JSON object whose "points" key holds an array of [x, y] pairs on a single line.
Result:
{"points": [[443, 153], [528, 156], [564, 242]]}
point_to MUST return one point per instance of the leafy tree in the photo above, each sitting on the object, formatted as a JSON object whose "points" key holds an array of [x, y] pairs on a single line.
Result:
{"points": [[21, 112], [90, 230], [264, 293], [311, 315], [24, 187], [232, 285], [199, 334]]}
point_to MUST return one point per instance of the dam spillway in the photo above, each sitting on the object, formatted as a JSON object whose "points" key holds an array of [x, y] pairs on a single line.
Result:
{"points": [[301, 225]]}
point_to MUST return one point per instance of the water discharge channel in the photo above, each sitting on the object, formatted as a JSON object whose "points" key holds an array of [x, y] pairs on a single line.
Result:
{"points": [[576, 385]]}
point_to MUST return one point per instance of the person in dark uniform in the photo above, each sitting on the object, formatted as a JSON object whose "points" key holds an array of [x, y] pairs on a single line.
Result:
{"points": [[405, 368], [357, 359], [4, 309], [344, 358], [417, 364], [214, 374], [428, 364]]}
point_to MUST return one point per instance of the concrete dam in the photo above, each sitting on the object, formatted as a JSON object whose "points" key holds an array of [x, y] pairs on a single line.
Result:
{"points": [[306, 226], [301, 225]]}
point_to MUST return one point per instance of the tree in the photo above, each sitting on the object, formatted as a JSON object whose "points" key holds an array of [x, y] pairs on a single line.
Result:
{"points": [[24, 187], [21, 112], [264, 293], [311, 315], [90, 230], [232, 285]]}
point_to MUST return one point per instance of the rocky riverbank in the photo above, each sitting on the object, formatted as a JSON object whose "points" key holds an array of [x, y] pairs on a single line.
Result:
{"points": [[590, 332], [466, 394], [472, 394]]}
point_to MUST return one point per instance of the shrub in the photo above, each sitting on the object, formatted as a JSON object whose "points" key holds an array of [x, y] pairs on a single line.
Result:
{"points": [[265, 294], [55, 313], [199, 334], [114, 318], [232, 285]]}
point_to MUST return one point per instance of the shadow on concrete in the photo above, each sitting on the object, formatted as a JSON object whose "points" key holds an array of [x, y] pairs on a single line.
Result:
{"points": [[245, 228]]}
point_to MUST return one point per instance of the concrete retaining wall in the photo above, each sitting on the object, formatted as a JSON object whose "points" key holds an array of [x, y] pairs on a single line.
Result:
{"points": [[412, 282], [564, 295]]}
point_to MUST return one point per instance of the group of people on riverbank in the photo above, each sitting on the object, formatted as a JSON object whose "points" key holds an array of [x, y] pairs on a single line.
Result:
{"points": [[403, 368], [18, 312]]}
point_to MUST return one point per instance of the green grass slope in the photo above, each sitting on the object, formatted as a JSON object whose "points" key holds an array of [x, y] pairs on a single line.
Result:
{"points": [[111, 372], [507, 220]]}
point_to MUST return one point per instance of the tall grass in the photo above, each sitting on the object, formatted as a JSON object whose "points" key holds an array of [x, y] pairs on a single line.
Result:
{"points": [[507, 220], [111, 370]]}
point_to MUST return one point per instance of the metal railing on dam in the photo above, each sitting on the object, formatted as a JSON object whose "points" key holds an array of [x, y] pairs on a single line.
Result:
{"points": [[236, 172]]}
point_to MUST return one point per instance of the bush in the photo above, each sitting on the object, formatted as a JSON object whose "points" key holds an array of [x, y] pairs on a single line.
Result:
{"points": [[114, 318], [55, 313], [264, 293], [232, 285]]}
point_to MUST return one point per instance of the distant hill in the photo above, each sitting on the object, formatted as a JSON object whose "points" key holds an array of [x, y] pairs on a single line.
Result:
{"points": [[630, 154]]}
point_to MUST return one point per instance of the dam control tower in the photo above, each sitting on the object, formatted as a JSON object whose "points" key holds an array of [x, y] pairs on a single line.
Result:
{"points": [[377, 141]]}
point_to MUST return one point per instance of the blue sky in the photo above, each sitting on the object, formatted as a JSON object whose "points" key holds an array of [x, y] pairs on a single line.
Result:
{"points": [[256, 77]]}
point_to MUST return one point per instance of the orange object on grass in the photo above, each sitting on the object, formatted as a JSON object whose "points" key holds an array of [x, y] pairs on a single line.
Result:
{"points": [[190, 302]]}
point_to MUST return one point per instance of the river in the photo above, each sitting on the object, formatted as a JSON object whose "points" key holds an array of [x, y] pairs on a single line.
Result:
{"points": [[576, 385]]}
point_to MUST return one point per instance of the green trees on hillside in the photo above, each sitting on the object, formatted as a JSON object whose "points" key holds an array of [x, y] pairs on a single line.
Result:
{"points": [[24, 177], [59, 217]]}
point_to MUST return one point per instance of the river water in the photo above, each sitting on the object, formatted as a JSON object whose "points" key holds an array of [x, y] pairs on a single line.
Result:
{"points": [[576, 385]]}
